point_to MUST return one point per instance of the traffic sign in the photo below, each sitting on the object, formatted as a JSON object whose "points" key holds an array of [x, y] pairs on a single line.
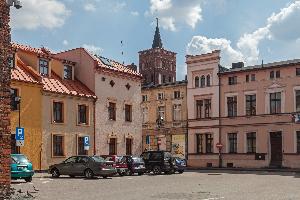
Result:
{"points": [[219, 145], [86, 141], [20, 136]]}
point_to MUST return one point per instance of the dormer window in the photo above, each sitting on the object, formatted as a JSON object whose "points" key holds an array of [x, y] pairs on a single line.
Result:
{"points": [[11, 61], [68, 72], [44, 67]]}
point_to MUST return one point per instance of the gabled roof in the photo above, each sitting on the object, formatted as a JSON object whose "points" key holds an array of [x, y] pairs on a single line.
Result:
{"points": [[69, 87], [23, 73], [39, 51]]}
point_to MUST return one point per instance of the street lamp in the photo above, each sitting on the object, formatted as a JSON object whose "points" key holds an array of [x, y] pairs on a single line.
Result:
{"points": [[159, 123], [5, 79]]}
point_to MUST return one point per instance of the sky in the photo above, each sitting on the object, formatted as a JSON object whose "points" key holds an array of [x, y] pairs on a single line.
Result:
{"points": [[244, 30]]}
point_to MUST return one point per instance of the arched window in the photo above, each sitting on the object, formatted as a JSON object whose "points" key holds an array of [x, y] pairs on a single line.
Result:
{"points": [[208, 80], [196, 81], [202, 82]]}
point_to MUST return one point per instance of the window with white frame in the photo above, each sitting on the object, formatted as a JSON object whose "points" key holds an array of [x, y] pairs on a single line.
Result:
{"points": [[204, 143], [275, 102], [251, 104], [203, 108], [208, 80], [297, 100], [251, 142], [44, 67], [176, 112], [197, 81], [176, 94], [145, 115], [145, 98], [161, 112], [232, 106], [202, 81], [68, 72]]}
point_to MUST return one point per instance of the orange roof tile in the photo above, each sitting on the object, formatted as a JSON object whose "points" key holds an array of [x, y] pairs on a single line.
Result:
{"points": [[69, 87], [22, 73], [40, 51]]}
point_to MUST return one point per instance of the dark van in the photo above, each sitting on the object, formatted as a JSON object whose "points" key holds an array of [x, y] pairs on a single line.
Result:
{"points": [[158, 162]]}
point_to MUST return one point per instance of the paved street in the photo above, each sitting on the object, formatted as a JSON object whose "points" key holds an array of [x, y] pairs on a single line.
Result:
{"points": [[200, 185]]}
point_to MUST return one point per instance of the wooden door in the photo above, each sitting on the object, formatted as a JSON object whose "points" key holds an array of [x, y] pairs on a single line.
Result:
{"points": [[276, 149]]}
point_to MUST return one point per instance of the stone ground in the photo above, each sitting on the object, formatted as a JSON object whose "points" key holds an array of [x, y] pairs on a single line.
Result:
{"points": [[191, 185]]}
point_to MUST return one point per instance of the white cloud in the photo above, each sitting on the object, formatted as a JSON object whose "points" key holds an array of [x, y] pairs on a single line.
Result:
{"points": [[92, 48], [159, 5], [40, 13], [89, 7], [283, 26], [135, 13], [174, 13], [168, 23], [117, 6], [65, 42]]}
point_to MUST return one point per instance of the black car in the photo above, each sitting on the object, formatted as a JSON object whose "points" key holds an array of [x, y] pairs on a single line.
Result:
{"points": [[159, 161], [135, 164], [88, 166]]}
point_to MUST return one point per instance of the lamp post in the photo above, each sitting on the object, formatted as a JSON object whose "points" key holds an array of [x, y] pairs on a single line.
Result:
{"points": [[5, 78], [159, 122]]}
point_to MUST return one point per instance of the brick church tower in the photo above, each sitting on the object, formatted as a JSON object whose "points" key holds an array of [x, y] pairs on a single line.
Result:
{"points": [[157, 65]]}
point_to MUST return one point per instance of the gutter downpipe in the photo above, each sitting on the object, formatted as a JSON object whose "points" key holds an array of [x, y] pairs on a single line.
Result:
{"points": [[220, 137]]}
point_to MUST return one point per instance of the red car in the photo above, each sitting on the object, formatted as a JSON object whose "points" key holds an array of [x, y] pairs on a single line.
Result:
{"points": [[121, 167]]}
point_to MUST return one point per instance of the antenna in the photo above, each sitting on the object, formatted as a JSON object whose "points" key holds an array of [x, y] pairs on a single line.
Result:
{"points": [[122, 51]]}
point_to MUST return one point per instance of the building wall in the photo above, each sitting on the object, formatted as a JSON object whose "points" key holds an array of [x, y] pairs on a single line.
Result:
{"points": [[197, 66], [31, 120], [151, 63], [171, 127], [69, 128], [120, 129], [264, 122]]}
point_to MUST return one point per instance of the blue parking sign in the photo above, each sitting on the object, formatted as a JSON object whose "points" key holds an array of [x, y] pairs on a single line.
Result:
{"points": [[20, 134], [86, 141]]}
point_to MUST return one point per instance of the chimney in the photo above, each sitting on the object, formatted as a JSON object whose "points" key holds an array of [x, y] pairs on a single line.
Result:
{"points": [[132, 67], [237, 65]]}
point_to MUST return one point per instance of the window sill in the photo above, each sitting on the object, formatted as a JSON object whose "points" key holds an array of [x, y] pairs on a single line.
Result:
{"points": [[83, 124], [58, 123], [58, 156]]}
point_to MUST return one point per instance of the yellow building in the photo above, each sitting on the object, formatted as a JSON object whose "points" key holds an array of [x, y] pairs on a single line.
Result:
{"points": [[164, 113], [27, 112]]}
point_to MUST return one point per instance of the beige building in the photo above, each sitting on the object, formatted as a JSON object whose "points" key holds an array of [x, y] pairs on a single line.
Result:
{"points": [[117, 110], [254, 116], [164, 115], [67, 106]]}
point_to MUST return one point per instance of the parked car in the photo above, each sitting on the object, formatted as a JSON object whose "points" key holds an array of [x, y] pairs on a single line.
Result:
{"points": [[135, 164], [87, 166], [120, 165], [21, 167], [180, 164], [159, 161]]}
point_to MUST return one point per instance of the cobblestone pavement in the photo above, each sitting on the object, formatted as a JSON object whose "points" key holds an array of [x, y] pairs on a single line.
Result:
{"points": [[191, 185]]}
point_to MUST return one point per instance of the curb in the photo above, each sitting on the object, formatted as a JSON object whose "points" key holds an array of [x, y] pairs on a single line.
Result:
{"points": [[245, 169]]}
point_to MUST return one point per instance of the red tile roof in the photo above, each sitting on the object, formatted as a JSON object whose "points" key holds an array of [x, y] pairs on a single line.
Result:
{"points": [[40, 51], [114, 65], [23, 73], [69, 87]]}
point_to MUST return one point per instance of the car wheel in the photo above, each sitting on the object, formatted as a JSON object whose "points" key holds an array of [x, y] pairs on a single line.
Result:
{"points": [[140, 173], [55, 173], [72, 176], [88, 173], [129, 173], [104, 177], [156, 170], [28, 179], [121, 173], [180, 171]]}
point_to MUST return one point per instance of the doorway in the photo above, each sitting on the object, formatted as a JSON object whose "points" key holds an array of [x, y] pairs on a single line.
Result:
{"points": [[276, 149]]}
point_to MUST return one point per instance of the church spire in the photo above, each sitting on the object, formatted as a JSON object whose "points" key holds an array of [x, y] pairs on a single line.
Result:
{"points": [[157, 40]]}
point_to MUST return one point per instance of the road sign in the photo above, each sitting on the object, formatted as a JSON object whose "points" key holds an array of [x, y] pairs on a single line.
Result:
{"points": [[147, 139], [20, 136], [159, 141], [86, 140], [219, 145]]}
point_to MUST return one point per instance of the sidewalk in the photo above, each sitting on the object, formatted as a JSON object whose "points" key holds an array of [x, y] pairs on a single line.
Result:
{"points": [[244, 169]]}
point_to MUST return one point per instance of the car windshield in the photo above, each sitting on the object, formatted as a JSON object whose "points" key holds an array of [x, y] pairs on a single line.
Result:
{"points": [[137, 159], [98, 159], [20, 158]]}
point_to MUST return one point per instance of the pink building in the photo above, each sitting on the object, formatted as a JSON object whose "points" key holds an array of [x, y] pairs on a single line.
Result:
{"points": [[258, 117]]}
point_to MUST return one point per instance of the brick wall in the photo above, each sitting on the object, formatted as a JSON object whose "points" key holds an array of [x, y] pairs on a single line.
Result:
{"points": [[4, 101]]}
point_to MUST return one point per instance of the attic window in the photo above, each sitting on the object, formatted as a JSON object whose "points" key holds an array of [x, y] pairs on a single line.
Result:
{"points": [[103, 78], [127, 86], [112, 83]]}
